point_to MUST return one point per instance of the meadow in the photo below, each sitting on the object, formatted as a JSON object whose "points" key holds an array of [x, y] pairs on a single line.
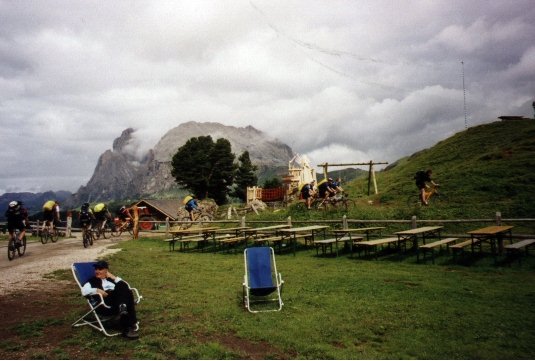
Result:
{"points": [[334, 308]]}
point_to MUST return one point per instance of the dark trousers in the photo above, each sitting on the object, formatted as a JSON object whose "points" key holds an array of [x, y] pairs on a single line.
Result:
{"points": [[122, 294]]}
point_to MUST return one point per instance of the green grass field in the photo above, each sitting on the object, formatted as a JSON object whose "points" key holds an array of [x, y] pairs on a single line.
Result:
{"points": [[335, 308]]}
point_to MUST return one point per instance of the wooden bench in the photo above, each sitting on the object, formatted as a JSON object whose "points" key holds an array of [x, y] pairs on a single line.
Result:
{"points": [[459, 247], [516, 248], [267, 240], [231, 241], [431, 247], [182, 241], [324, 243], [376, 242]]}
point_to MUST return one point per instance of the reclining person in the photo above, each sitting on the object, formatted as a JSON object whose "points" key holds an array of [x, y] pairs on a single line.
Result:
{"points": [[116, 294]]}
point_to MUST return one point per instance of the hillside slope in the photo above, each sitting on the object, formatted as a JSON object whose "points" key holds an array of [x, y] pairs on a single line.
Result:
{"points": [[483, 169]]}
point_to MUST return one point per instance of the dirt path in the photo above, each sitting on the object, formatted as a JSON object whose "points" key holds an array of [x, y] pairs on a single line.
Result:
{"points": [[40, 259]]}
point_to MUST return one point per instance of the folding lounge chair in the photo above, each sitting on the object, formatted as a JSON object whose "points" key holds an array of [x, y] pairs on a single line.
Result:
{"points": [[261, 279], [82, 272]]}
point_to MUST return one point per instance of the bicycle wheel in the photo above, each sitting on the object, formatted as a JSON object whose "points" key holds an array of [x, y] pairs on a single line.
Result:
{"points": [[43, 236], [186, 222], [11, 249], [439, 198], [205, 217], [85, 238], [116, 231], [22, 248], [54, 235], [103, 232], [413, 201]]}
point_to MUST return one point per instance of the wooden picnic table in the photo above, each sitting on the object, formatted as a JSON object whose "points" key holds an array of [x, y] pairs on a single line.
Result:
{"points": [[346, 235], [254, 232], [204, 233], [364, 230], [237, 230], [493, 235], [292, 233], [412, 235]]}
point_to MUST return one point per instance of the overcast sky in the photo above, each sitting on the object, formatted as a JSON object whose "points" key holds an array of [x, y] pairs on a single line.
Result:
{"points": [[338, 81]]}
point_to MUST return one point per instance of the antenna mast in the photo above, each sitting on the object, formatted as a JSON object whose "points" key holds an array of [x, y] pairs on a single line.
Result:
{"points": [[464, 97]]}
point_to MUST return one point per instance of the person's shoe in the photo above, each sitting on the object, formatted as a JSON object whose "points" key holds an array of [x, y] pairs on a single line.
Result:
{"points": [[131, 333], [123, 310]]}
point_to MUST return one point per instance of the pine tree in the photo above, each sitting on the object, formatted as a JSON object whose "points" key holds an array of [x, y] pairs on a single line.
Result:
{"points": [[245, 176]]}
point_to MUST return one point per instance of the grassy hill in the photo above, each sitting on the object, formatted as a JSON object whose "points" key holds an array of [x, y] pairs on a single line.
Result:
{"points": [[483, 169]]}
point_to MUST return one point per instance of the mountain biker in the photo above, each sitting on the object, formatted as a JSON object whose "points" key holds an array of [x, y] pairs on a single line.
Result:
{"points": [[16, 216], [132, 214], [101, 213], [325, 189], [422, 178], [337, 185], [51, 213], [86, 216], [308, 193], [191, 204]]}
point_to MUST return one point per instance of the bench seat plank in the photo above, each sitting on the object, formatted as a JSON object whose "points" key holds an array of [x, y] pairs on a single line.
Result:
{"points": [[446, 241], [520, 244]]}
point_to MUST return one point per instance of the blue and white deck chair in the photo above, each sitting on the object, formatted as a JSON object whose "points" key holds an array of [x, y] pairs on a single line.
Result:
{"points": [[82, 272], [261, 283]]}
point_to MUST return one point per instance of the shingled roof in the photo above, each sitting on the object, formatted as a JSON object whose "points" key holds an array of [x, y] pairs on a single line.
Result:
{"points": [[167, 207]]}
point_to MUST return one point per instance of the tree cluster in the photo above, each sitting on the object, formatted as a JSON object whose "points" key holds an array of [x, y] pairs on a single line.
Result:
{"points": [[208, 169]]}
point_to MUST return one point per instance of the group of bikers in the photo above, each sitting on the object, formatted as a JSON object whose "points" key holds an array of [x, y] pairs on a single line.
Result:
{"points": [[324, 190], [17, 216]]}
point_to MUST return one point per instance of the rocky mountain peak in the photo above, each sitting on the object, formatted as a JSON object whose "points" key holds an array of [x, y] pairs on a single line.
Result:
{"points": [[121, 174]]}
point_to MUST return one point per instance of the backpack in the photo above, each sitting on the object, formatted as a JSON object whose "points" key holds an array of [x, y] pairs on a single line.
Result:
{"points": [[420, 176]]}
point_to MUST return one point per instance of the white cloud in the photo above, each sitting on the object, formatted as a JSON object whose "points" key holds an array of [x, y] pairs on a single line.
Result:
{"points": [[372, 80]]}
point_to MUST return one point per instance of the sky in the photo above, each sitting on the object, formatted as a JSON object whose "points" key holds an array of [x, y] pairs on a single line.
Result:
{"points": [[337, 81]]}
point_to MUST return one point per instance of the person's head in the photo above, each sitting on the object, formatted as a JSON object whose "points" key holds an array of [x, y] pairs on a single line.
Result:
{"points": [[338, 179], [122, 209], [312, 182], [429, 172], [13, 204], [85, 206], [101, 269]]}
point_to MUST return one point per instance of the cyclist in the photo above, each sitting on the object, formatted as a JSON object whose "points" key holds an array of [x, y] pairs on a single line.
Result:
{"points": [[191, 204], [102, 214], [308, 193], [422, 178], [51, 213], [326, 190], [86, 216], [132, 215], [16, 216], [337, 185]]}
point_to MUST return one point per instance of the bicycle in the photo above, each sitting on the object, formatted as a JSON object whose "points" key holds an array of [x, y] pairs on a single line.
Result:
{"points": [[198, 216], [102, 228], [49, 232], [431, 195], [87, 236], [14, 247], [122, 226], [340, 200]]}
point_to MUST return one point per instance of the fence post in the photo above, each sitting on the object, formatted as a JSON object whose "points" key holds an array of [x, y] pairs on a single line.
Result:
{"points": [[344, 222], [167, 226], [289, 220], [498, 218], [413, 222], [68, 229], [242, 223]]}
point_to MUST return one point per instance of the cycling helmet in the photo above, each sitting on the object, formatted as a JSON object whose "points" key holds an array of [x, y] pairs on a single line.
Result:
{"points": [[13, 204], [85, 206], [122, 209]]}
